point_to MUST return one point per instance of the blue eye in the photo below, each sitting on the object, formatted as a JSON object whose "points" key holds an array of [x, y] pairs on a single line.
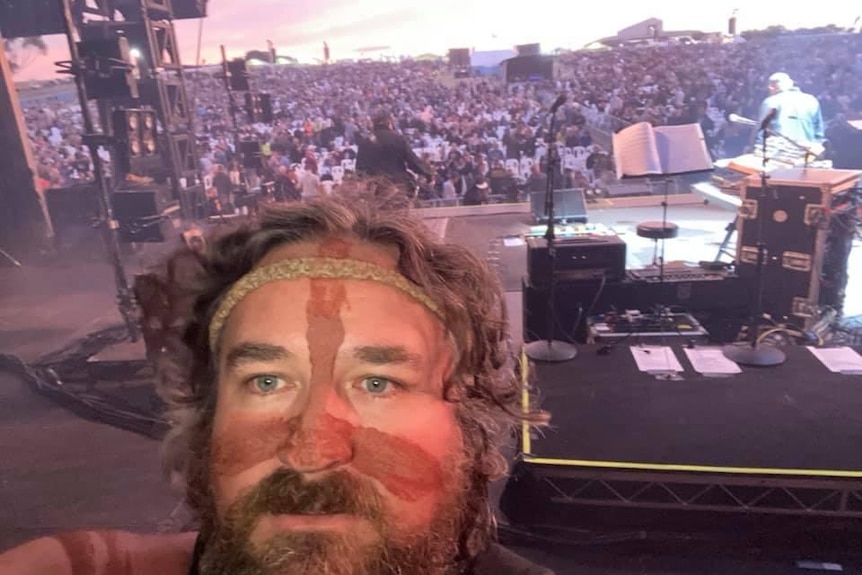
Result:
{"points": [[265, 383], [376, 385]]}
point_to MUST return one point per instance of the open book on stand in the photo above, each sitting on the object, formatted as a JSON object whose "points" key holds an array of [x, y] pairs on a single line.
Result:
{"points": [[642, 150]]}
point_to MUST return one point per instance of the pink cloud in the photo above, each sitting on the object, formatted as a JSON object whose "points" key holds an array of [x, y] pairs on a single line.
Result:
{"points": [[242, 26]]}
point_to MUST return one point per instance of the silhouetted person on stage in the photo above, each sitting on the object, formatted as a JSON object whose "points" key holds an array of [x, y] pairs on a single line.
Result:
{"points": [[386, 153]]}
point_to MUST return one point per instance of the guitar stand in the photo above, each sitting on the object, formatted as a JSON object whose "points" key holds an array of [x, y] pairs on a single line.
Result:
{"points": [[8, 257]]}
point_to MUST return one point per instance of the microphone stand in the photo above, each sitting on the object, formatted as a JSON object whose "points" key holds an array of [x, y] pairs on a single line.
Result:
{"points": [[752, 352], [551, 350]]}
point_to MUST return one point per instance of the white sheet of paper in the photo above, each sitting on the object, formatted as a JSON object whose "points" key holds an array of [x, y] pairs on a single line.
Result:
{"points": [[711, 361], [838, 359], [656, 359], [513, 242]]}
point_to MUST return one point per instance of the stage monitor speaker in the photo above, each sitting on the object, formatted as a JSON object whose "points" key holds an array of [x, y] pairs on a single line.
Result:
{"points": [[145, 215], [30, 18], [108, 69], [570, 206]]}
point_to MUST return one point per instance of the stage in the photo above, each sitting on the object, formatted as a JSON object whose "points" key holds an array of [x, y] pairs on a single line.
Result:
{"points": [[769, 442]]}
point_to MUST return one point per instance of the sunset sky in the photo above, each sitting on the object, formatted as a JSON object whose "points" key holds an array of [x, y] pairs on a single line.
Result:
{"points": [[299, 27]]}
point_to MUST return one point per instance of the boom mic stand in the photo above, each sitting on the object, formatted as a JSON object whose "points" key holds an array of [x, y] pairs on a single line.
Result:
{"points": [[753, 352], [551, 350]]}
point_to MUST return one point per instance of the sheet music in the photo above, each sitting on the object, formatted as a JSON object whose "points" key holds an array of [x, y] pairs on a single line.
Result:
{"points": [[839, 359], [682, 149], [656, 359], [711, 361], [635, 152]]}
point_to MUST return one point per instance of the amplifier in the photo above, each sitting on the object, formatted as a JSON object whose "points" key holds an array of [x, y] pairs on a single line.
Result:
{"points": [[580, 257]]}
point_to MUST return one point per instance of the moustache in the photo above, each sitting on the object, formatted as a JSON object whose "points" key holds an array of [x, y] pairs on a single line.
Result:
{"points": [[287, 492]]}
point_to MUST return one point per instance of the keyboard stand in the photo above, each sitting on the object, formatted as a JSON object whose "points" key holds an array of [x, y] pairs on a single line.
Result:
{"points": [[723, 249]]}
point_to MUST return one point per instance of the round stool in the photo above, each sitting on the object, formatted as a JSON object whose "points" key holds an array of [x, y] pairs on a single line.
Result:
{"points": [[656, 231]]}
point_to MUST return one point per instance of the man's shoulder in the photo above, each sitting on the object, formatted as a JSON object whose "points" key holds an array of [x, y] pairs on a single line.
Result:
{"points": [[497, 560], [115, 552]]}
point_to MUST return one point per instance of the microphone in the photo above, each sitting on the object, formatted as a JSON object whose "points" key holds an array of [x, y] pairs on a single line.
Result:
{"points": [[561, 99], [768, 119], [737, 119]]}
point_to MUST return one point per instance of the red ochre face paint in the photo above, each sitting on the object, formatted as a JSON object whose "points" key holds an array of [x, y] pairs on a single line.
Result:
{"points": [[80, 550], [402, 467]]}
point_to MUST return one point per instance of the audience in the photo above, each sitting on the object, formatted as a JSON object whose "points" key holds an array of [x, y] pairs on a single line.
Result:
{"points": [[479, 131]]}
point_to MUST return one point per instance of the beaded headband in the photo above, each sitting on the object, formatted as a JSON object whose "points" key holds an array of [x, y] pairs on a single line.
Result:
{"points": [[314, 268]]}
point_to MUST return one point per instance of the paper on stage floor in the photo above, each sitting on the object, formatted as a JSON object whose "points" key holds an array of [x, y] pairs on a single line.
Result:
{"points": [[656, 359], [711, 361], [839, 359]]}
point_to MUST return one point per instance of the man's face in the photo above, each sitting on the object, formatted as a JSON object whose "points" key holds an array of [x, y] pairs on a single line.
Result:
{"points": [[333, 449]]}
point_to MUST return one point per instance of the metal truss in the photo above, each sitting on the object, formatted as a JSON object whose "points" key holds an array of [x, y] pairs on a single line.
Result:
{"points": [[149, 26], [168, 95], [702, 492]]}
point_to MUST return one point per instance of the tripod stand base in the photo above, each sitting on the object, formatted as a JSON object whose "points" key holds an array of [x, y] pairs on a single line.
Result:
{"points": [[758, 356], [550, 351], [5, 256]]}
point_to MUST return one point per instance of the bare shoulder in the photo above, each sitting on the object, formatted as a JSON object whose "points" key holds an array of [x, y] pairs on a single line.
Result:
{"points": [[97, 552]]}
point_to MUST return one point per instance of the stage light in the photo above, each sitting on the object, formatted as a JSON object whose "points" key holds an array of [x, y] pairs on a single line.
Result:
{"points": [[137, 139], [135, 53]]}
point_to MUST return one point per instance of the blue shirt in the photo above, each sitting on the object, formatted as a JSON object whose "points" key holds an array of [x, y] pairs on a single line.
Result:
{"points": [[799, 117]]}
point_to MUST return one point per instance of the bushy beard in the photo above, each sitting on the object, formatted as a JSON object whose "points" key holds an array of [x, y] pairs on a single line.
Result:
{"points": [[229, 550]]}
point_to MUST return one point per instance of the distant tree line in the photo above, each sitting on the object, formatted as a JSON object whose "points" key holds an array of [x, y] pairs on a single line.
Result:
{"points": [[776, 31], [19, 50]]}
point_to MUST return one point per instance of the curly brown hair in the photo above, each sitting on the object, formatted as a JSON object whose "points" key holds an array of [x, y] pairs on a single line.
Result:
{"points": [[484, 384]]}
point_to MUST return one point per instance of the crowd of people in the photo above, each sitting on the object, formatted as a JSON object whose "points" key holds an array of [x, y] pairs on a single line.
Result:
{"points": [[480, 133]]}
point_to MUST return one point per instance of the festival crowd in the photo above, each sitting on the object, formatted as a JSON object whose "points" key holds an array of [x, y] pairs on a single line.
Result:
{"points": [[480, 131]]}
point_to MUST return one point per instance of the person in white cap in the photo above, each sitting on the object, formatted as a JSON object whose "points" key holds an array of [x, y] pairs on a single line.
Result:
{"points": [[792, 113]]}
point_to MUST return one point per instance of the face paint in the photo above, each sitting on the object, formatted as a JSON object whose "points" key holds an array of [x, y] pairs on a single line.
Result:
{"points": [[80, 550], [404, 461], [403, 468], [119, 559], [262, 440]]}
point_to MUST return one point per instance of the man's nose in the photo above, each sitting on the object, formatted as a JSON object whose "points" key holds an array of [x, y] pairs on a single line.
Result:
{"points": [[322, 435]]}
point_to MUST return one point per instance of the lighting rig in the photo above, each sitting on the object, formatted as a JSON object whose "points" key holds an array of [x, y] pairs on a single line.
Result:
{"points": [[124, 57]]}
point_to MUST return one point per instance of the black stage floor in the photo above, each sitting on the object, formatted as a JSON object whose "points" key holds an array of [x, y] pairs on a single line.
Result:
{"points": [[796, 416]]}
